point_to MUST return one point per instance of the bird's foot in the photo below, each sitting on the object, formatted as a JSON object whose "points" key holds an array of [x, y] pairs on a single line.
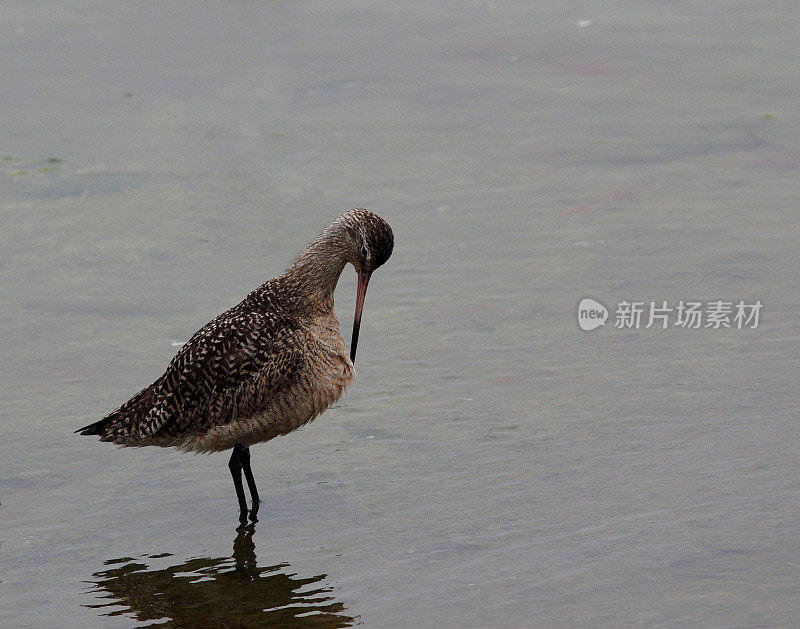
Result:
{"points": [[254, 512], [251, 515]]}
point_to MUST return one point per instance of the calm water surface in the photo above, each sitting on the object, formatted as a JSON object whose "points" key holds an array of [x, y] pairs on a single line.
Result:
{"points": [[493, 465]]}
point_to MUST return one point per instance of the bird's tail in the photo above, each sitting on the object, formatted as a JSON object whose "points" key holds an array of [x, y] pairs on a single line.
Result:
{"points": [[96, 428], [130, 412]]}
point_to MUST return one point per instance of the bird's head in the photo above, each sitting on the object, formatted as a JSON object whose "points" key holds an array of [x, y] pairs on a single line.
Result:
{"points": [[370, 243], [370, 240]]}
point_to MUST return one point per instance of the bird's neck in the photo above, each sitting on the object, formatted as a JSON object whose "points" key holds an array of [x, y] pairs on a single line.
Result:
{"points": [[317, 269]]}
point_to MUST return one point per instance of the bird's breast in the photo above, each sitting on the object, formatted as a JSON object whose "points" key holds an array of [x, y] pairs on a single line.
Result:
{"points": [[326, 374], [329, 366]]}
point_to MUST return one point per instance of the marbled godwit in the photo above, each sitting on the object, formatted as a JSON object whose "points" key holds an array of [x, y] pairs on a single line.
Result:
{"points": [[265, 367]]}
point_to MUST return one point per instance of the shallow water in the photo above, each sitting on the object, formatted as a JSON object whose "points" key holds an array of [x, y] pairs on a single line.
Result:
{"points": [[493, 465]]}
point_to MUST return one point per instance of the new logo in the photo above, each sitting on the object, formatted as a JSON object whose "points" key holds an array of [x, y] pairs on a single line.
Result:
{"points": [[591, 314]]}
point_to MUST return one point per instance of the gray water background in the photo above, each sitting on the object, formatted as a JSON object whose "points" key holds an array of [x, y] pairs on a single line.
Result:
{"points": [[493, 465]]}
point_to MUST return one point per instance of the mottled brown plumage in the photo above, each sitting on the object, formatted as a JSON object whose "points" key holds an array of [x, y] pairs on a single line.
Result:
{"points": [[267, 366]]}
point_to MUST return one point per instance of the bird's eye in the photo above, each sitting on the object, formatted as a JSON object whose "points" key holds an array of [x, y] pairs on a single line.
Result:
{"points": [[363, 251]]}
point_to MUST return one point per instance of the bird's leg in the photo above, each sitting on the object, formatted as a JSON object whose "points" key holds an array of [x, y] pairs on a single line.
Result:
{"points": [[248, 474], [235, 465], [251, 482]]}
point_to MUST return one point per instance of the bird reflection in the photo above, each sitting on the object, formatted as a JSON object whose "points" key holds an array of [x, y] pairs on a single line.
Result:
{"points": [[221, 592]]}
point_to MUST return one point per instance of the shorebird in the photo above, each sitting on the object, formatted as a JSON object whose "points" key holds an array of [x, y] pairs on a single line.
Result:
{"points": [[264, 368]]}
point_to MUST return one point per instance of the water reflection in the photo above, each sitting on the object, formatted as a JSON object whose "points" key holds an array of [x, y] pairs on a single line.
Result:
{"points": [[221, 592]]}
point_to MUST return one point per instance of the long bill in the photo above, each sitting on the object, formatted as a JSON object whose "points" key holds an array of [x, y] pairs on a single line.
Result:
{"points": [[361, 292]]}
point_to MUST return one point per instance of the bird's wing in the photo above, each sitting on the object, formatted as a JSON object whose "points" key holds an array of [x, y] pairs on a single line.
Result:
{"points": [[231, 366]]}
